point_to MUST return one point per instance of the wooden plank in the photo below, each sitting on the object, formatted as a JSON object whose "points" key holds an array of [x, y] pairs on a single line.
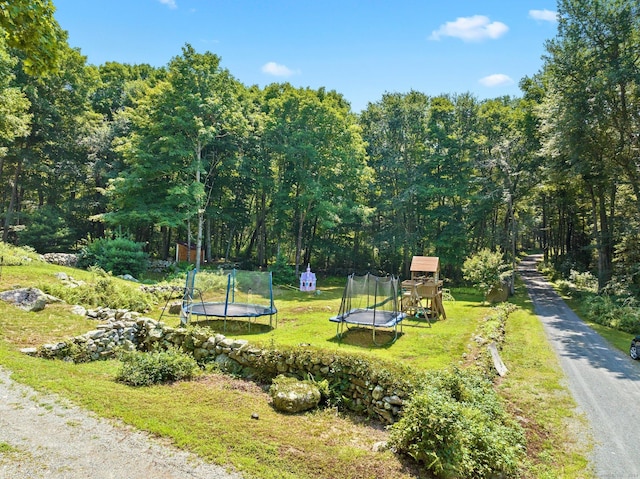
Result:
{"points": [[497, 360]]}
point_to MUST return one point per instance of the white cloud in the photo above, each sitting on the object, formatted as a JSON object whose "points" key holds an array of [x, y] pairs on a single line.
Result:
{"points": [[497, 79], [544, 15], [471, 29], [275, 69], [169, 3]]}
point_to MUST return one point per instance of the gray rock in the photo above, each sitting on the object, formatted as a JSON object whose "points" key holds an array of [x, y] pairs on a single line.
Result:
{"points": [[29, 299], [377, 393], [291, 396], [79, 310], [379, 446], [95, 334], [394, 400], [175, 308]]}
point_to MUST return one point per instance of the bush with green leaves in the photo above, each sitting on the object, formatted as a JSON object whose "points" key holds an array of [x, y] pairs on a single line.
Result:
{"points": [[11, 255], [609, 311], [584, 281], [456, 425], [486, 269], [118, 255], [145, 369]]}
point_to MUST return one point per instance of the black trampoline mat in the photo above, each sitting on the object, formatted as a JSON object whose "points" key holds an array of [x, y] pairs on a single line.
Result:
{"points": [[370, 317], [233, 310]]}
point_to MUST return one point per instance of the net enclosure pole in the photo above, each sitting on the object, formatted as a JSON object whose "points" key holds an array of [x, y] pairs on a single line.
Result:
{"points": [[226, 303]]}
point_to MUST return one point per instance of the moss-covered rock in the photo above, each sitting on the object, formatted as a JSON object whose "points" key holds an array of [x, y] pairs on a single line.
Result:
{"points": [[292, 395]]}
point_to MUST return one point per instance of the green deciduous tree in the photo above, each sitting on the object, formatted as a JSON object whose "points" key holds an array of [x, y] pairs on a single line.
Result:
{"points": [[318, 157], [486, 269], [183, 129], [14, 105], [47, 165], [592, 71], [29, 26]]}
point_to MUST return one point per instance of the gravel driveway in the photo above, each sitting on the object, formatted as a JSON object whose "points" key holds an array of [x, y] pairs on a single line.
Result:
{"points": [[604, 382], [41, 436]]}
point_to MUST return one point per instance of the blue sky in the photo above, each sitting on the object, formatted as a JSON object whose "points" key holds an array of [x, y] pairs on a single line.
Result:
{"points": [[361, 49]]}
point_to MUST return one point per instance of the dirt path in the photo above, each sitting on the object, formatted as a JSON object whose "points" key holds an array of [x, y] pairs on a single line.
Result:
{"points": [[41, 436], [604, 382]]}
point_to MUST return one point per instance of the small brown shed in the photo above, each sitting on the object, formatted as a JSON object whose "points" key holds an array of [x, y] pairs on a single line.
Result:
{"points": [[184, 253]]}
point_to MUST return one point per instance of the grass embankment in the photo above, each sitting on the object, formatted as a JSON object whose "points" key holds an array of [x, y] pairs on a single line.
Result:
{"points": [[211, 416]]}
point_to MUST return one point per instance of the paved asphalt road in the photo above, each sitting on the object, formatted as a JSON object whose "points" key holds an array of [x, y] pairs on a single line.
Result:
{"points": [[604, 382]]}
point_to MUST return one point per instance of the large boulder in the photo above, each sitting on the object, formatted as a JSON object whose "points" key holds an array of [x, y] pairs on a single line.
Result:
{"points": [[291, 395], [498, 293], [29, 299]]}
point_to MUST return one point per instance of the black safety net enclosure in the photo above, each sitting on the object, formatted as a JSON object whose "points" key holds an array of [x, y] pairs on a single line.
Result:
{"points": [[229, 294], [370, 301]]}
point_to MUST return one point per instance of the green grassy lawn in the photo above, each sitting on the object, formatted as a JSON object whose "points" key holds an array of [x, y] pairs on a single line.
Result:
{"points": [[303, 318], [211, 416]]}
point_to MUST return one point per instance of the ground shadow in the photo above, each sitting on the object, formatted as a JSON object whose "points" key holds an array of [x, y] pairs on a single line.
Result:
{"points": [[232, 326], [363, 337]]}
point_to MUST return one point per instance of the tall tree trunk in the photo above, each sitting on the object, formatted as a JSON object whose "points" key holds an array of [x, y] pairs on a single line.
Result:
{"points": [[597, 215], [606, 243], [200, 207], [207, 241], [12, 203], [261, 242], [544, 239], [1, 173], [165, 234], [299, 240], [189, 240]]}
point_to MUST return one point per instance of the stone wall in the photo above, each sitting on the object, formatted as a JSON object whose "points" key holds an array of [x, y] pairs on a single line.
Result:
{"points": [[61, 259], [363, 388]]}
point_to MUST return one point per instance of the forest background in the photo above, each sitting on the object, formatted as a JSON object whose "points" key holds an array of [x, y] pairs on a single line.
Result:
{"points": [[186, 153]]}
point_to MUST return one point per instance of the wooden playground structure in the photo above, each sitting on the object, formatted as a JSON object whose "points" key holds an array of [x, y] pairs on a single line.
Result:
{"points": [[422, 294]]}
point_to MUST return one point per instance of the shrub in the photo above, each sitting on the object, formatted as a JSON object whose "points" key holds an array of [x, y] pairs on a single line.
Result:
{"points": [[119, 256], [565, 288], [104, 290], [455, 424], [215, 281], [145, 369], [16, 256], [604, 309], [485, 269]]}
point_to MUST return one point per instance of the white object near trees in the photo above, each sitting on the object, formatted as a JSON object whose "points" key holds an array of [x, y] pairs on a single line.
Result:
{"points": [[308, 280]]}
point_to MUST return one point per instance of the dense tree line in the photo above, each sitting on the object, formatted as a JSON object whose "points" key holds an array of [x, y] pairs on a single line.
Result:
{"points": [[188, 153]]}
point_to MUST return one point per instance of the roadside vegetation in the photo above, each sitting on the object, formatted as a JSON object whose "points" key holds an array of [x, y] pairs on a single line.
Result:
{"points": [[212, 415], [613, 311]]}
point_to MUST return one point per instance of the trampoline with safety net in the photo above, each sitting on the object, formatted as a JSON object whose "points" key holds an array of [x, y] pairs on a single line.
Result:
{"points": [[371, 302], [229, 294]]}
